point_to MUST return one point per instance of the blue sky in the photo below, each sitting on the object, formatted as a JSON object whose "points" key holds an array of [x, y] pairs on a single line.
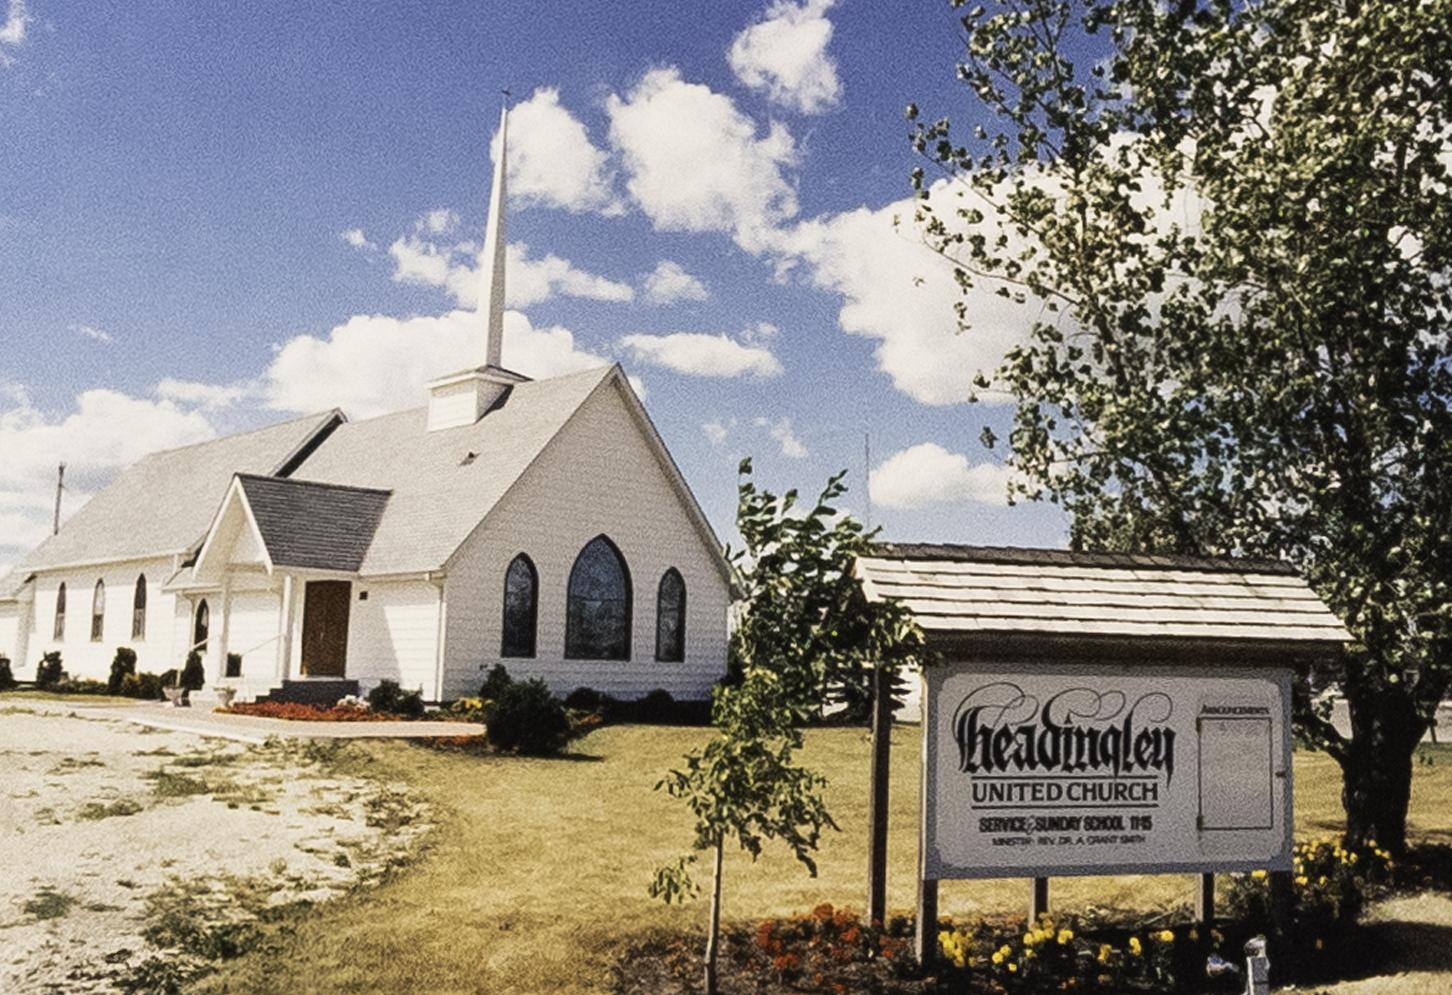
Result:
{"points": [[213, 217]]}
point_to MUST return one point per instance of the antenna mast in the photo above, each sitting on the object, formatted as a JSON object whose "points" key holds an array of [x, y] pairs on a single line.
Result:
{"points": [[60, 486]]}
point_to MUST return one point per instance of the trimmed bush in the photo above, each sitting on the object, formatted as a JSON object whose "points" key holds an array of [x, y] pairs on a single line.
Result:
{"points": [[168, 679], [193, 674], [82, 685], [123, 663], [495, 682], [590, 700], [7, 679], [49, 672], [145, 686], [391, 699], [526, 718], [657, 707]]}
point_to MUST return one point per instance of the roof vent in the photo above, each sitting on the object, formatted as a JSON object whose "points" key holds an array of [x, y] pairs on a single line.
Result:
{"points": [[469, 457]]}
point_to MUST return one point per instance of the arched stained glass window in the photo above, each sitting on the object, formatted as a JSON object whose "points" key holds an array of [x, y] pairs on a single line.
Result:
{"points": [[98, 611], [200, 627], [670, 618], [138, 609], [59, 631], [597, 617], [521, 608]]}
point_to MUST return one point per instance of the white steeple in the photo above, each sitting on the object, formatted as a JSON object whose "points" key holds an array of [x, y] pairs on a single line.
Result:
{"points": [[491, 262], [463, 398]]}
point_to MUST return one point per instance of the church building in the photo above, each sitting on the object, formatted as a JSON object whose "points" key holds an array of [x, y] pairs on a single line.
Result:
{"points": [[540, 524]]}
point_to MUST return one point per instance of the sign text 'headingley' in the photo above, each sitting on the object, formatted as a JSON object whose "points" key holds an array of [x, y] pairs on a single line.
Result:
{"points": [[1057, 764]]}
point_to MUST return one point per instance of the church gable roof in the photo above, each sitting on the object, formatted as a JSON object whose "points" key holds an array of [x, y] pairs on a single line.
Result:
{"points": [[307, 525], [163, 504], [442, 483]]}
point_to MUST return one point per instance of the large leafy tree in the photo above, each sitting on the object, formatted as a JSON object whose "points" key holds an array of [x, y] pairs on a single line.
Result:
{"points": [[1230, 222], [802, 628]]}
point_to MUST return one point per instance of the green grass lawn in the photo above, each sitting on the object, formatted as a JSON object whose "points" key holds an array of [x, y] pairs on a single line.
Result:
{"points": [[538, 869]]}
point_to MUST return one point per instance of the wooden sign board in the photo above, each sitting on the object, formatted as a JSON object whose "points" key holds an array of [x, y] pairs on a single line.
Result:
{"points": [[1055, 769]]}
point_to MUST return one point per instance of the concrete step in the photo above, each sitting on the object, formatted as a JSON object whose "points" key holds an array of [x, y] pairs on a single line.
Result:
{"points": [[315, 691]]}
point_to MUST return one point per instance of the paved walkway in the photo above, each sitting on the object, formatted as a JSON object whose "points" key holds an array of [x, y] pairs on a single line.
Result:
{"points": [[248, 728]]}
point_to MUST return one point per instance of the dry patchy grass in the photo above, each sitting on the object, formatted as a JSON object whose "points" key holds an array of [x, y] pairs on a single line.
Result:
{"points": [[538, 869]]}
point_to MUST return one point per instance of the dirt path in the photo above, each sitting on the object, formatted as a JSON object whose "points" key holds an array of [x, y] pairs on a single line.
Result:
{"points": [[137, 857]]}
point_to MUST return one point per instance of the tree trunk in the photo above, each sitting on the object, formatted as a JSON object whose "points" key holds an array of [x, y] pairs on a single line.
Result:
{"points": [[1377, 769], [713, 934]]}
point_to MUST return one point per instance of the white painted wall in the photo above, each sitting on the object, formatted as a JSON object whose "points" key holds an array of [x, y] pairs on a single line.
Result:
{"points": [[82, 657], [394, 634], [10, 633], [599, 476]]}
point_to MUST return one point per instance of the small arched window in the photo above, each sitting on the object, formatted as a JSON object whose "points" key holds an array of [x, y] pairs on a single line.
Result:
{"points": [[200, 625], [59, 632], [670, 618], [597, 616], [138, 609], [521, 608], [98, 611]]}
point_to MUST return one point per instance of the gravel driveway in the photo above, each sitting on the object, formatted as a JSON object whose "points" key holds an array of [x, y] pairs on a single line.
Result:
{"points": [[133, 858]]}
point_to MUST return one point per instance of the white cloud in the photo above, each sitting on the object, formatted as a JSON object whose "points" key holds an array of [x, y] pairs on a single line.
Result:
{"points": [[358, 240], [703, 355], [927, 474], [12, 32], [784, 55], [716, 430], [669, 282], [104, 432], [552, 161], [93, 333], [695, 162], [528, 281], [208, 397], [898, 291], [782, 433], [372, 364], [761, 331], [439, 221]]}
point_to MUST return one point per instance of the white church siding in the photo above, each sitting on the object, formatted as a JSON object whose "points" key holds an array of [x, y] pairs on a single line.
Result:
{"points": [[83, 658], [599, 476], [394, 634], [253, 634], [10, 634]]}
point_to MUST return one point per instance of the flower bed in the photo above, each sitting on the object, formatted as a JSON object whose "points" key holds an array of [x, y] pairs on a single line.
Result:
{"points": [[305, 713]]}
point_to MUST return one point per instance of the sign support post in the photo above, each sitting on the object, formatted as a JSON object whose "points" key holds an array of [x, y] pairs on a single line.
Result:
{"points": [[1205, 902], [877, 811], [925, 930], [1038, 899]]}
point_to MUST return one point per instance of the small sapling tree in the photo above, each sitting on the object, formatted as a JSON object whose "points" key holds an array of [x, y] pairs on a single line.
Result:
{"points": [[803, 626]]}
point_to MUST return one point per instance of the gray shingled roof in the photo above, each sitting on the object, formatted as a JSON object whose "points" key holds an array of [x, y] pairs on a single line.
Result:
{"points": [[438, 496], [164, 503], [1055, 593], [313, 526]]}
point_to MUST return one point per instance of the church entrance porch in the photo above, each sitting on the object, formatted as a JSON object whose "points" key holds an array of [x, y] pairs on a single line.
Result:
{"points": [[326, 605]]}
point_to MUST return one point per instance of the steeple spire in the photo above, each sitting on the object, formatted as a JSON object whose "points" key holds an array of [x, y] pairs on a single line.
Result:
{"points": [[491, 263]]}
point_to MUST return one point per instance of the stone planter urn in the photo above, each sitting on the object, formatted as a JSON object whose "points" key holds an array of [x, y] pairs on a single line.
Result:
{"points": [[224, 696], [175, 697]]}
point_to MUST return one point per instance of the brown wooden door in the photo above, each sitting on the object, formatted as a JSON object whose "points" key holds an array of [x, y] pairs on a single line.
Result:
{"points": [[325, 627]]}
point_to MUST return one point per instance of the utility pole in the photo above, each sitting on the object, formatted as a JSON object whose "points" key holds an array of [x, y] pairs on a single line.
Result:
{"points": [[60, 485]]}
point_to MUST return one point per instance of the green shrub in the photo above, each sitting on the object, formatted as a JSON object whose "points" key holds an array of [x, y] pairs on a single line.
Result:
{"points": [[526, 718], [81, 685], [656, 707], [193, 674], [590, 700], [388, 697], [123, 663], [49, 672], [147, 686], [495, 682], [7, 679], [168, 678]]}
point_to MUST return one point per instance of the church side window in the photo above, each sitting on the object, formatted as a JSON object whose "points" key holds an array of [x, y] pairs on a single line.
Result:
{"points": [[98, 611], [597, 617], [200, 626], [59, 632], [670, 618], [138, 609], [521, 608]]}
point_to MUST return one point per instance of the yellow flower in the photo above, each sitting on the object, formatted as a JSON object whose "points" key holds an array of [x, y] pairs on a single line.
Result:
{"points": [[1135, 947], [1194, 934], [1104, 951], [1065, 935], [1029, 939], [1012, 967], [1005, 950], [998, 956], [1165, 936], [1258, 875], [1302, 881]]}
